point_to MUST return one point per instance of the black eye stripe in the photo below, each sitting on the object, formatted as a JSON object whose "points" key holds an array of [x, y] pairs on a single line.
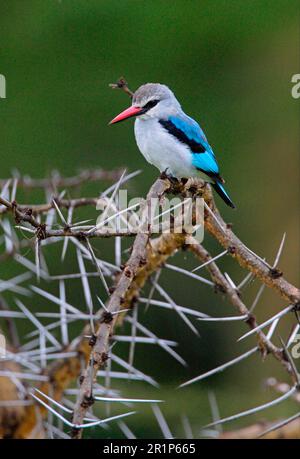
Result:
{"points": [[150, 104]]}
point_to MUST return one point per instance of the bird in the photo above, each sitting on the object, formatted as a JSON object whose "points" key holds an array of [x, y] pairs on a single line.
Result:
{"points": [[171, 140]]}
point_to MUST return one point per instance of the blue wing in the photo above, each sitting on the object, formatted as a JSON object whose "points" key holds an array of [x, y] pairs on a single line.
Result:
{"points": [[188, 131]]}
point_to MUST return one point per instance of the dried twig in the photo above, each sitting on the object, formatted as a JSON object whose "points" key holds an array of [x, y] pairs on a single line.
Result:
{"points": [[56, 181]]}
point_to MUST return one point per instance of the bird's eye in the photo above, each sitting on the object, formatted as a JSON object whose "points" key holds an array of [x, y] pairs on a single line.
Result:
{"points": [[150, 104]]}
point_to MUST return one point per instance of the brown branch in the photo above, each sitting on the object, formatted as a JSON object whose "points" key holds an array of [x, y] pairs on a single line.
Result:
{"points": [[213, 223], [27, 213], [20, 215], [24, 213], [158, 251], [82, 235], [223, 233], [62, 372], [264, 344], [99, 353], [147, 256], [140, 267], [56, 181], [36, 209], [122, 84], [216, 226]]}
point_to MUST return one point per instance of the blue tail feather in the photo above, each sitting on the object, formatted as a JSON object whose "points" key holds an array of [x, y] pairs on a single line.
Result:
{"points": [[223, 193]]}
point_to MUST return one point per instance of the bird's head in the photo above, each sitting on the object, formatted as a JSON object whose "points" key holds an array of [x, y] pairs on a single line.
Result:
{"points": [[151, 100]]}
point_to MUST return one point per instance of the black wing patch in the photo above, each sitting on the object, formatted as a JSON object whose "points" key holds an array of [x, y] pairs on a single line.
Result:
{"points": [[196, 147]]}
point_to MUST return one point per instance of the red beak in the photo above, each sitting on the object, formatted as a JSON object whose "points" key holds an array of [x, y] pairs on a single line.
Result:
{"points": [[128, 113]]}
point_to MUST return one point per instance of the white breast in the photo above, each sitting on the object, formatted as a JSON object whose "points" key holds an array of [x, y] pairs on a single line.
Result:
{"points": [[162, 149]]}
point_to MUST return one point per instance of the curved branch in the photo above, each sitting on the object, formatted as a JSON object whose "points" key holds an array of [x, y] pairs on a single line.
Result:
{"points": [[99, 353], [56, 181]]}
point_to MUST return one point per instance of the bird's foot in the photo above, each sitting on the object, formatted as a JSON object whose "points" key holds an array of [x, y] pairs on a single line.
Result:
{"points": [[165, 176]]}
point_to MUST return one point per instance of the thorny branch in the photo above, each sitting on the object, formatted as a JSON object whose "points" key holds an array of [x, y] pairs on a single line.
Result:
{"points": [[214, 223], [122, 84], [63, 371], [36, 209], [221, 231], [56, 181], [148, 256], [99, 353], [145, 259], [265, 345]]}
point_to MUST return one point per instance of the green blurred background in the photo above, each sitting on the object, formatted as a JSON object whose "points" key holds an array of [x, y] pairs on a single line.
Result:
{"points": [[230, 64]]}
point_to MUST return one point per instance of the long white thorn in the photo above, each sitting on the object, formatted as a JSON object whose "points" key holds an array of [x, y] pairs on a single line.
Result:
{"points": [[256, 409], [225, 252], [165, 295], [86, 289], [80, 426], [267, 322], [162, 422], [220, 368], [280, 424]]}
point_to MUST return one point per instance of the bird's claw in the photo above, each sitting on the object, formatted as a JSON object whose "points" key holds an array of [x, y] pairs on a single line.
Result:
{"points": [[165, 176]]}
